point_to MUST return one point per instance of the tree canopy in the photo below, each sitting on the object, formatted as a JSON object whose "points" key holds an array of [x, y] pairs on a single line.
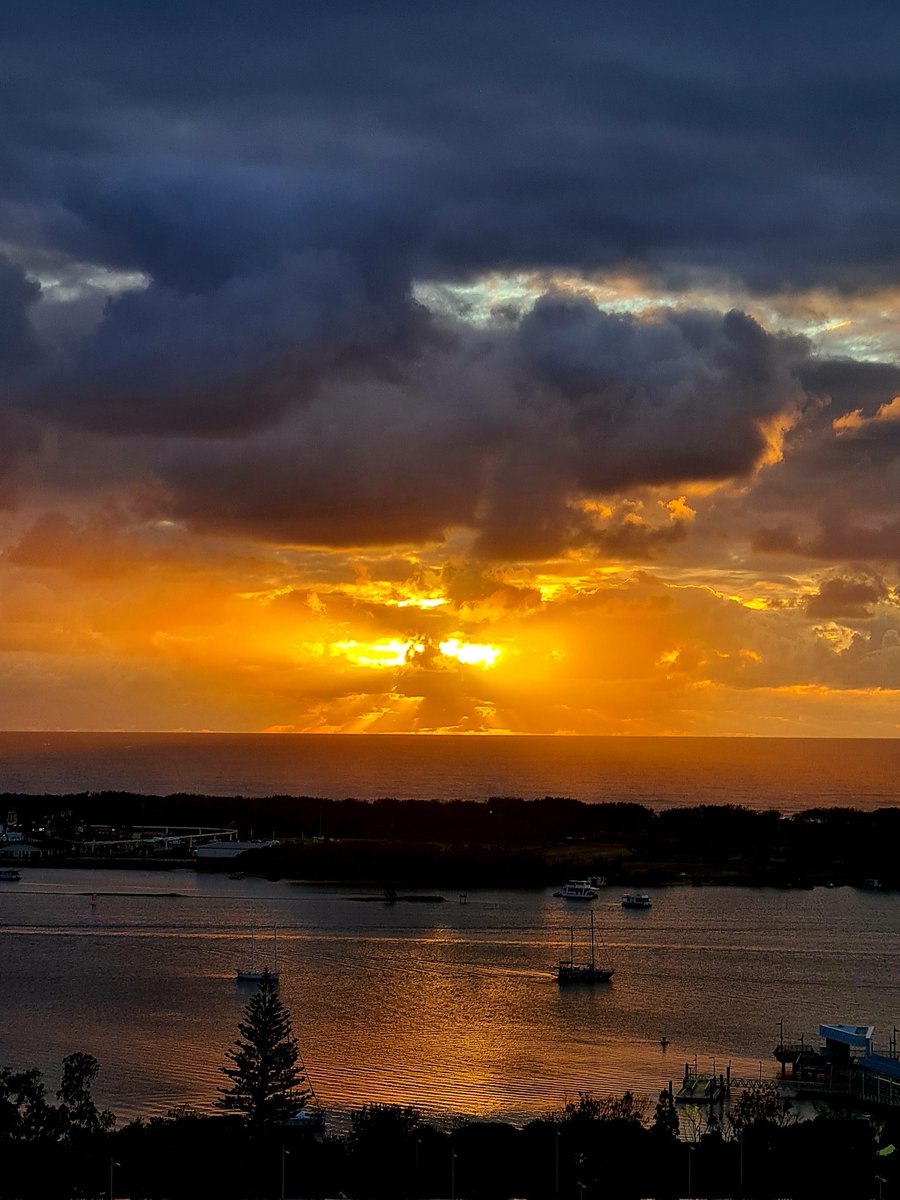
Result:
{"points": [[268, 1082]]}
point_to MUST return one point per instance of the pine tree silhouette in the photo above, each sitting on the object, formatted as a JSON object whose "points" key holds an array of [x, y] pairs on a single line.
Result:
{"points": [[268, 1083]]}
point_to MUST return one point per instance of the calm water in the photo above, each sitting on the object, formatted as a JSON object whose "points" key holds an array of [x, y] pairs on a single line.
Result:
{"points": [[782, 773], [449, 1007]]}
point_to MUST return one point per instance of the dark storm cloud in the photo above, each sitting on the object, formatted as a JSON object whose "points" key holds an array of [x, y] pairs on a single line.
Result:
{"points": [[282, 174], [231, 359], [684, 397], [834, 495], [377, 463], [756, 140], [608, 403], [847, 598], [508, 433], [18, 343], [849, 385], [838, 537]]}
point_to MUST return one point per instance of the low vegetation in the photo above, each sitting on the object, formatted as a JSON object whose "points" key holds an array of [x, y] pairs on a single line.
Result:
{"points": [[609, 1148]]}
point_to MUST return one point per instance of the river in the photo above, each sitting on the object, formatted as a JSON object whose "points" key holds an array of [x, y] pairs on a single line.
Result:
{"points": [[450, 1007]]}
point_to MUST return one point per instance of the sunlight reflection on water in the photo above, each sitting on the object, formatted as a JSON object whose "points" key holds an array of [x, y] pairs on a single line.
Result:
{"points": [[447, 1007]]}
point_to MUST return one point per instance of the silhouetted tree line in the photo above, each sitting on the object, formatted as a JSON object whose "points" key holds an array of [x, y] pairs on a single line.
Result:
{"points": [[509, 840], [596, 1147]]}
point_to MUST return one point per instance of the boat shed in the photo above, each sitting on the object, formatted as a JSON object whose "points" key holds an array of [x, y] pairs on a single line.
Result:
{"points": [[841, 1039]]}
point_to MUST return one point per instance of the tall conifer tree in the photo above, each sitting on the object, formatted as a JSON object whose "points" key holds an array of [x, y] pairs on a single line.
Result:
{"points": [[268, 1083]]}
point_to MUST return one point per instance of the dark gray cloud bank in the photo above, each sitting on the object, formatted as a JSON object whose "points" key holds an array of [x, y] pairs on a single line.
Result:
{"points": [[281, 174]]}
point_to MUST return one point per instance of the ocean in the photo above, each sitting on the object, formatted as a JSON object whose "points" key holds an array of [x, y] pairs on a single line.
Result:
{"points": [[788, 774]]}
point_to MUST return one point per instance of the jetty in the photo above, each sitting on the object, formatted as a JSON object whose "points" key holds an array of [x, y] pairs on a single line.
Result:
{"points": [[697, 1088]]}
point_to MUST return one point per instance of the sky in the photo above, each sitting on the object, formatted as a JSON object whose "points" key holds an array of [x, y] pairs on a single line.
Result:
{"points": [[473, 368]]}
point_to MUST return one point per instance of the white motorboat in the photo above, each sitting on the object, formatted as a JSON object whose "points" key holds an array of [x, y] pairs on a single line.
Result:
{"points": [[636, 900], [577, 889], [9, 875]]}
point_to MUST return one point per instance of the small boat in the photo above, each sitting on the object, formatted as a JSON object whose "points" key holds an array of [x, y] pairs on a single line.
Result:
{"points": [[236, 875], [577, 889], [311, 1117], [254, 974], [569, 971], [9, 875], [636, 900]]}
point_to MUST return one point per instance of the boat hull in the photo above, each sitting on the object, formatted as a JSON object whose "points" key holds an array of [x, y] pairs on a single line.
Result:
{"points": [[253, 976], [584, 975]]}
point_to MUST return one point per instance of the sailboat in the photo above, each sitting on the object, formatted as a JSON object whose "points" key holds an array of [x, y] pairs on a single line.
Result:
{"points": [[568, 971], [252, 973]]}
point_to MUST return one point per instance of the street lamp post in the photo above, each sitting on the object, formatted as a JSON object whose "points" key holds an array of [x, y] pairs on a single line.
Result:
{"points": [[453, 1175], [741, 1160], [284, 1154], [112, 1165], [556, 1167], [690, 1148]]}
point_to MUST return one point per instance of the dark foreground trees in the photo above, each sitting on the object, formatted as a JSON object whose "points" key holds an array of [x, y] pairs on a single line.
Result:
{"points": [[597, 1148], [268, 1083]]}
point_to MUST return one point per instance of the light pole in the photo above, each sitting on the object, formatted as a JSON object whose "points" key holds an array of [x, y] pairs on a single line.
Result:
{"points": [[112, 1165], [452, 1175], [556, 1166], [741, 1161], [284, 1154], [881, 1181], [690, 1148]]}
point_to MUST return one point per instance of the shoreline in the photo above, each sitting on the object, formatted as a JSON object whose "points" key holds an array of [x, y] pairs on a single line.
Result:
{"points": [[461, 845]]}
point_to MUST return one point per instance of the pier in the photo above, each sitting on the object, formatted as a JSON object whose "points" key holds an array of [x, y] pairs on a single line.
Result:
{"points": [[702, 1089]]}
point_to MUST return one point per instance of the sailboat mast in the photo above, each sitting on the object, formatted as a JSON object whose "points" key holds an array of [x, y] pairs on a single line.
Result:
{"points": [[275, 946], [592, 939]]}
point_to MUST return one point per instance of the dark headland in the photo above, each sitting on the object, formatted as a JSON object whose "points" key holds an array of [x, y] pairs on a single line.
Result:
{"points": [[505, 842]]}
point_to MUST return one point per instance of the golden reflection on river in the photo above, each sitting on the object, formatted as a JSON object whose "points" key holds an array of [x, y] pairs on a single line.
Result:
{"points": [[451, 1008]]}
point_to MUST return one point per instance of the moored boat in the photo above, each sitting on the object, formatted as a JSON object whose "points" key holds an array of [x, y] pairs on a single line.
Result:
{"points": [[254, 974], [9, 875], [577, 889], [569, 971], [636, 900]]}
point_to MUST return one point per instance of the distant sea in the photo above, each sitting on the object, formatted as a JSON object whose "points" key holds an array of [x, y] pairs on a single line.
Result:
{"points": [[788, 774]]}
